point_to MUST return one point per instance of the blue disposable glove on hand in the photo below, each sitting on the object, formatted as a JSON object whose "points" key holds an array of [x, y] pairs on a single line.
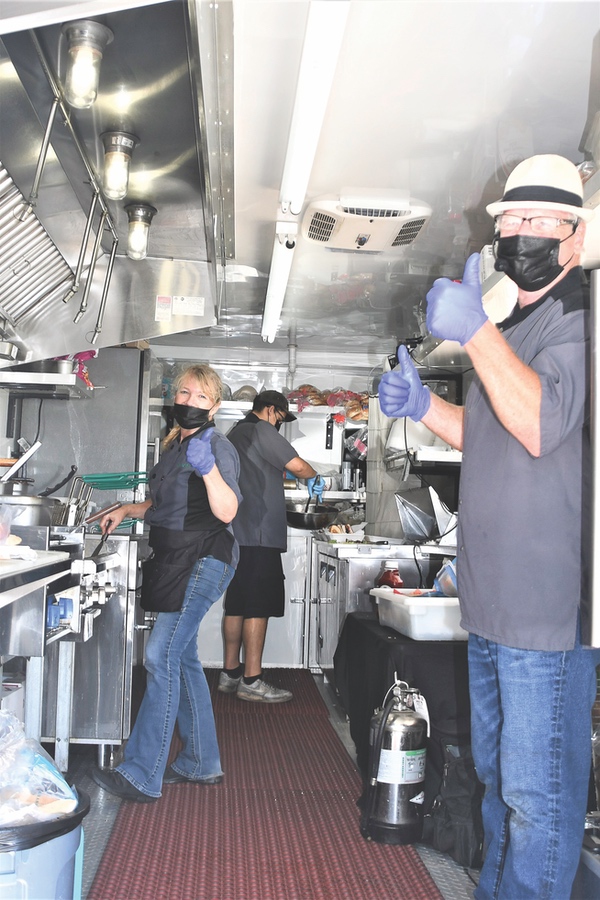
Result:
{"points": [[198, 453], [455, 310], [401, 392], [316, 487]]}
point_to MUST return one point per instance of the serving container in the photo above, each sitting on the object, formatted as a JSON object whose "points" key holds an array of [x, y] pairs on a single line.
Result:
{"points": [[419, 615]]}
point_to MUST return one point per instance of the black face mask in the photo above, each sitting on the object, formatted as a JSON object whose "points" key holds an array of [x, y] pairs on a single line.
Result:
{"points": [[531, 262], [189, 417]]}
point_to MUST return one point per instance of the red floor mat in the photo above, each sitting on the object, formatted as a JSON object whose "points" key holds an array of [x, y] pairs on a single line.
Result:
{"points": [[282, 826]]}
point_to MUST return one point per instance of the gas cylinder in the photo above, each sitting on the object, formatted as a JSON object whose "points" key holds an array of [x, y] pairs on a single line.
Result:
{"points": [[393, 805]]}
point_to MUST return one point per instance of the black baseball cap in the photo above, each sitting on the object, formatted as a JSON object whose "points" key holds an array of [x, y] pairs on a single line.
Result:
{"points": [[274, 398]]}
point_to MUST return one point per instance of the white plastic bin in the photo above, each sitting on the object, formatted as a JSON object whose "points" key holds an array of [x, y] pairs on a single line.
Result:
{"points": [[419, 617], [44, 861]]}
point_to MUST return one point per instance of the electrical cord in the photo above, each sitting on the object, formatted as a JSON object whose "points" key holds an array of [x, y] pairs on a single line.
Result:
{"points": [[39, 420]]}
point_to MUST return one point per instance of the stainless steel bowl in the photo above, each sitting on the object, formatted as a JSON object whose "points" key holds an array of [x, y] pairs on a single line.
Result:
{"points": [[30, 510], [318, 516]]}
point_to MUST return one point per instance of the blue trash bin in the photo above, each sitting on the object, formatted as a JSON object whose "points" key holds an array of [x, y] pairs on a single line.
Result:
{"points": [[44, 860]]}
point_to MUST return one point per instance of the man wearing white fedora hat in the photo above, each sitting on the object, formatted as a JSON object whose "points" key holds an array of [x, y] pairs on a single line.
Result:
{"points": [[523, 527]]}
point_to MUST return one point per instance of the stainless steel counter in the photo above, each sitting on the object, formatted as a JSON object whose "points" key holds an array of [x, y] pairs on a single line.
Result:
{"points": [[382, 548], [301, 493], [343, 574], [19, 577]]}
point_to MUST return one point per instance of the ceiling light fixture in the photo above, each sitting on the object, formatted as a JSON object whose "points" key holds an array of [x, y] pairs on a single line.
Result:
{"points": [[140, 216], [322, 43], [86, 43], [118, 150], [281, 263]]}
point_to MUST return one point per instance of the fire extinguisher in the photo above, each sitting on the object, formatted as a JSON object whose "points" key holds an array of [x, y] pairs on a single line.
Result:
{"points": [[393, 806]]}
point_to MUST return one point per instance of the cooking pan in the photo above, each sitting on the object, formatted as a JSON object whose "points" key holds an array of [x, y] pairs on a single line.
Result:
{"points": [[319, 516]]}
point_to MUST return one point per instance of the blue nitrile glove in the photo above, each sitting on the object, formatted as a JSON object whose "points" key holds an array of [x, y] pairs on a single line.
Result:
{"points": [[455, 310], [401, 392], [199, 454], [316, 486]]}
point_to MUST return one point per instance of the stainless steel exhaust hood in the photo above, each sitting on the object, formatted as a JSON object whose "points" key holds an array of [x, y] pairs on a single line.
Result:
{"points": [[43, 227]]}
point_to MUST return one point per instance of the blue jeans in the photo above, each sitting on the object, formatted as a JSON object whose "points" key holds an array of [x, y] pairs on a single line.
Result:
{"points": [[176, 690], [531, 742]]}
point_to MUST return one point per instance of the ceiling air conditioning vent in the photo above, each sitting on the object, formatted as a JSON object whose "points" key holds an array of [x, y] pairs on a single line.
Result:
{"points": [[372, 213], [371, 221], [320, 227], [408, 233]]}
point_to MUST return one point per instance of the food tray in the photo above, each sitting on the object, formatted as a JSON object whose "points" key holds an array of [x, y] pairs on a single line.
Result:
{"points": [[419, 616]]}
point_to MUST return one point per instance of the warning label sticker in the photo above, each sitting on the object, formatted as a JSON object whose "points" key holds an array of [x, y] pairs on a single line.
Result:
{"points": [[401, 766]]}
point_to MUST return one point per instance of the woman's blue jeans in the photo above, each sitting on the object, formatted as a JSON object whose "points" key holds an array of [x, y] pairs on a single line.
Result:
{"points": [[176, 690], [531, 742]]}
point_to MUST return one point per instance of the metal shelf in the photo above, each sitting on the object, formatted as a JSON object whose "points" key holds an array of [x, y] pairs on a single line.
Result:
{"points": [[19, 577], [50, 385]]}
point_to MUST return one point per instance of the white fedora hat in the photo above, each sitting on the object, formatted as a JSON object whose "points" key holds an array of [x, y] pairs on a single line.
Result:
{"points": [[543, 182]]}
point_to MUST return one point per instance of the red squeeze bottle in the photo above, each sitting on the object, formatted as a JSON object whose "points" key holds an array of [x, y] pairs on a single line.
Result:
{"points": [[390, 577]]}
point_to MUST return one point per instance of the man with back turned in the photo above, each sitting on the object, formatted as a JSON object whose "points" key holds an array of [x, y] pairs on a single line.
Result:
{"points": [[257, 592], [523, 527]]}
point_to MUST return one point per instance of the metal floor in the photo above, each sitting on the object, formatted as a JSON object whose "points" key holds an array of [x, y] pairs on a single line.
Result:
{"points": [[453, 881]]}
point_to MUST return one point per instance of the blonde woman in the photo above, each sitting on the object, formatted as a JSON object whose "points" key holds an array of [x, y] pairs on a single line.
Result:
{"points": [[194, 496]]}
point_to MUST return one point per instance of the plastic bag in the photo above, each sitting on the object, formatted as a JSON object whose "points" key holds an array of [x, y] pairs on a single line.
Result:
{"points": [[31, 787], [416, 524], [7, 514], [357, 444], [445, 580]]}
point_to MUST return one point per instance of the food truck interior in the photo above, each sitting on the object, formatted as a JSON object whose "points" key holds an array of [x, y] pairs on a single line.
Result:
{"points": [[270, 187]]}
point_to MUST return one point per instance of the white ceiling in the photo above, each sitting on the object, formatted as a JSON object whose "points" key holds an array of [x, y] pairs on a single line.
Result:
{"points": [[440, 99]]}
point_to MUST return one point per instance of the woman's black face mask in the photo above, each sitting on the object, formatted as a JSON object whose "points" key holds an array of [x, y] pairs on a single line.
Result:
{"points": [[531, 262], [189, 417]]}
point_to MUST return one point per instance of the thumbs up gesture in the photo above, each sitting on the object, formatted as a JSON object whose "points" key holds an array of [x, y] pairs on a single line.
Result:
{"points": [[401, 392], [455, 310], [199, 454]]}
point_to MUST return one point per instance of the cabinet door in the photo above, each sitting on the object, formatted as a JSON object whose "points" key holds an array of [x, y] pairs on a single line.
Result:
{"points": [[284, 645], [327, 612]]}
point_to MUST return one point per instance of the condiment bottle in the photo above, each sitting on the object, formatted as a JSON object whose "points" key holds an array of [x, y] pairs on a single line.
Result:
{"points": [[390, 576]]}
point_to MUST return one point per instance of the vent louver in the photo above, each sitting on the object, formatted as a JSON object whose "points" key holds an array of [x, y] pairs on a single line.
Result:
{"points": [[33, 272], [382, 221], [373, 213], [320, 227], [408, 233]]}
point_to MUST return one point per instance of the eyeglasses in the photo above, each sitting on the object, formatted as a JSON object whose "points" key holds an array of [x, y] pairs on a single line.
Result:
{"points": [[280, 415], [542, 225]]}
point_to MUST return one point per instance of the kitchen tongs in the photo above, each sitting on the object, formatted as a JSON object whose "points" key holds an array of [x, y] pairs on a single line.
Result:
{"points": [[99, 545]]}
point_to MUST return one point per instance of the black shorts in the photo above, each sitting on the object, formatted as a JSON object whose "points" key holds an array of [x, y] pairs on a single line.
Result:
{"points": [[257, 589]]}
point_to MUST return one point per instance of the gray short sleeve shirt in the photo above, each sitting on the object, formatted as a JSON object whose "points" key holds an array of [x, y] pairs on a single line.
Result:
{"points": [[264, 453], [522, 553]]}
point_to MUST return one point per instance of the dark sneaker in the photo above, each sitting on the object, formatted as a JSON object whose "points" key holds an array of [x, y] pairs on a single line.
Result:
{"points": [[228, 685], [115, 783], [261, 692], [173, 777]]}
